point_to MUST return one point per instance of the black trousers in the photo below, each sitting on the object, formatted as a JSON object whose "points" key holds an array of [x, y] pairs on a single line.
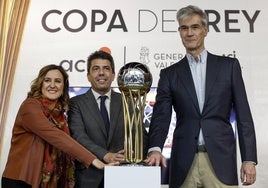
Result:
{"points": [[9, 183]]}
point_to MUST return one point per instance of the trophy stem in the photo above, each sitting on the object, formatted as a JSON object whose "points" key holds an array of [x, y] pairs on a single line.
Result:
{"points": [[133, 104]]}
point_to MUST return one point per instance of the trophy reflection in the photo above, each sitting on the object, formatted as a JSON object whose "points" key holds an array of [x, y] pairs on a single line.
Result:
{"points": [[134, 81]]}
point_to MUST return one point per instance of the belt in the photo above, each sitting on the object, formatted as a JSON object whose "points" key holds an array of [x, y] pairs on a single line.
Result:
{"points": [[201, 148]]}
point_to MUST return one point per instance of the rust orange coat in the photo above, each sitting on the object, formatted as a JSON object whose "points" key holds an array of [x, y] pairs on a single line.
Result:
{"points": [[30, 132]]}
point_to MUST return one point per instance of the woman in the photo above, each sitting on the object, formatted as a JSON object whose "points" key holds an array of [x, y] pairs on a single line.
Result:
{"points": [[42, 152]]}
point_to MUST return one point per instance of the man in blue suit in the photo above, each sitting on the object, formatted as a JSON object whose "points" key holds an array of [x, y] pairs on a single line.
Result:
{"points": [[203, 89]]}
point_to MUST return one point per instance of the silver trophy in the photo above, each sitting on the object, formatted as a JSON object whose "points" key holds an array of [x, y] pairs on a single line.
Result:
{"points": [[134, 81]]}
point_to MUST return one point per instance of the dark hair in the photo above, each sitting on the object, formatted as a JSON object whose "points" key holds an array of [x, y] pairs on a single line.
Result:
{"points": [[36, 86], [190, 10], [100, 55]]}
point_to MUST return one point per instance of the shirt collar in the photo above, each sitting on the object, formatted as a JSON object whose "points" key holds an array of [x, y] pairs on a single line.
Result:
{"points": [[97, 95], [202, 57]]}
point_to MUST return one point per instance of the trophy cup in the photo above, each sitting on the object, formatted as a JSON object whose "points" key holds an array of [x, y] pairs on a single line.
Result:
{"points": [[134, 81]]}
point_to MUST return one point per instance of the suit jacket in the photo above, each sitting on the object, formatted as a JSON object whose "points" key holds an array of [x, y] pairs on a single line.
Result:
{"points": [[31, 131], [87, 127], [224, 90]]}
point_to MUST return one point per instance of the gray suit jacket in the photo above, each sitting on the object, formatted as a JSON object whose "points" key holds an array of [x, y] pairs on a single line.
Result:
{"points": [[87, 127], [224, 90]]}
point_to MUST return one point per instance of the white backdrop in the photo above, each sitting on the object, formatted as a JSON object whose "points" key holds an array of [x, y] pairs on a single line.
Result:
{"points": [[67, 31]]}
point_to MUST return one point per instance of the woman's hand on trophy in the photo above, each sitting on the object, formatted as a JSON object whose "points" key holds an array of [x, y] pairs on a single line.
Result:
{"points": [[100, 165]]}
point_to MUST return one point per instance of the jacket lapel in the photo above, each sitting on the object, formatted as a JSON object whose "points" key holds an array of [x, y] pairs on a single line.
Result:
{"points": [[115, 107], [213, 67], [186, 77]]}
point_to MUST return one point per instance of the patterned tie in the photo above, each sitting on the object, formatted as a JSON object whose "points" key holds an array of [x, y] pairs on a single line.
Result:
{"points": [[104, 113]]}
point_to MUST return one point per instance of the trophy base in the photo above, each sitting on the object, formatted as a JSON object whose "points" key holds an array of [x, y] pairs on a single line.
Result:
{"points": [[132, 177], [124, 163]]}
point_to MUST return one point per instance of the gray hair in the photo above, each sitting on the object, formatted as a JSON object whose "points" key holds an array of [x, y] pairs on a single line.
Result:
{"points": [[190, 10]]}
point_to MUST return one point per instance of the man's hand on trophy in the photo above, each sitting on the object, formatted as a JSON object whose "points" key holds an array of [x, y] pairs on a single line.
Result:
{"points": [[114, 157], [155, 158]]}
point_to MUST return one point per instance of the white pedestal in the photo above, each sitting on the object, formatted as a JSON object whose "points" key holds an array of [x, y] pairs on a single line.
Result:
{"points": [[132, 177]]}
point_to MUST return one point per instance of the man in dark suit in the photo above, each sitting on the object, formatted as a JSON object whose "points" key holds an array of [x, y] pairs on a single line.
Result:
{"points": [[86, 122], [202, 88]]}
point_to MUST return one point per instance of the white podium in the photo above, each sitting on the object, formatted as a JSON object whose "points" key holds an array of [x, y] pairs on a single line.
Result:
{"points": [[132, 177]]}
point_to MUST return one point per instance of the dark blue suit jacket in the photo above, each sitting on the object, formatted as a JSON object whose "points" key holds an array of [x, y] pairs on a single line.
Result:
{"points": [[224, 90]]}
